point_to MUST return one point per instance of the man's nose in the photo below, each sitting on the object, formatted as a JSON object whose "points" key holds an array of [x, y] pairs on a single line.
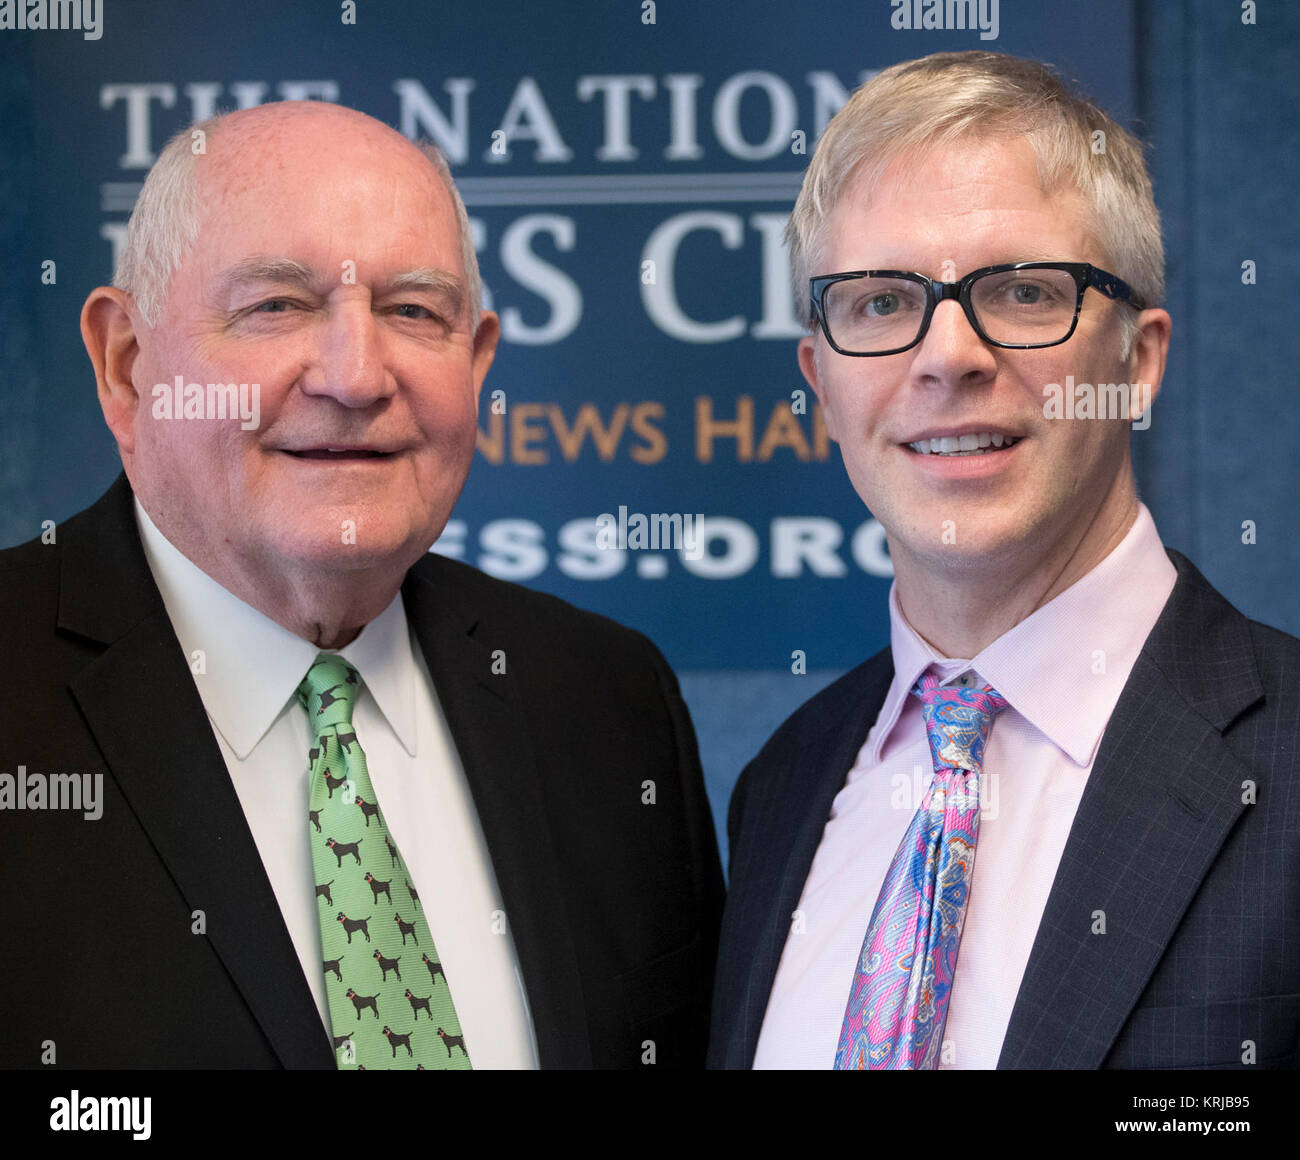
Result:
{"points": [[349, 364], [951, 348]]}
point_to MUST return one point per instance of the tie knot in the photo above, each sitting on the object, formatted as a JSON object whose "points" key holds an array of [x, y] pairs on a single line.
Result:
{"points": [[957, 721], [328, 691]]}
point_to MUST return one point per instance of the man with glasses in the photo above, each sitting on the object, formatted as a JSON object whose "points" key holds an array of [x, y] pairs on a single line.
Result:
{"points": [[1017, 305], [1071, 764]]}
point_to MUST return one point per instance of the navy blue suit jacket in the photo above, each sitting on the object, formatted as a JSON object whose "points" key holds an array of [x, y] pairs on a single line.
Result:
{"points": [[1200, 888]]}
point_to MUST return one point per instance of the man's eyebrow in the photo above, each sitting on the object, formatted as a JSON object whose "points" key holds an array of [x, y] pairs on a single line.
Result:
{"points": [[263, 268], [285, 271], [1034, 254], [1005, 258], [1015, 254], [428, 278]]}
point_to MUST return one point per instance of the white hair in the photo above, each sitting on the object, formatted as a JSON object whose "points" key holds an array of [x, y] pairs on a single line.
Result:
{"points": [[949, 96], [164, 224]]}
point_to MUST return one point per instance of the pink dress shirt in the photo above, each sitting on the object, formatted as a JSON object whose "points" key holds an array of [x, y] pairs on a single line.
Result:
{"points": [[1062, 670]]}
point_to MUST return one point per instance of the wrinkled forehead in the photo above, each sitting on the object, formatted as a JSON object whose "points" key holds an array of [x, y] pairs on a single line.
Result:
{"points": [[315, 196]]}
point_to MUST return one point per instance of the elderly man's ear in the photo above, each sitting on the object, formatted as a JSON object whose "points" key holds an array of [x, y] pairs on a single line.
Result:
{"points": [[108, 328], [485, 348]]}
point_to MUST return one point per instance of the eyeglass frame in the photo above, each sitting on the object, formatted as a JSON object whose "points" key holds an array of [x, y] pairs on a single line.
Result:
{"points": [[1085, 274]]}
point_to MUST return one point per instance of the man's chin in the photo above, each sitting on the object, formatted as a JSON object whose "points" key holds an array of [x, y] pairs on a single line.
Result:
{"points": [[356, 546], [951, 544]]}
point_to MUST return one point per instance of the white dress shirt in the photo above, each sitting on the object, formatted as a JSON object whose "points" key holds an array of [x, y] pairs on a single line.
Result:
{"points": [[251, 668], [1061, 670]]}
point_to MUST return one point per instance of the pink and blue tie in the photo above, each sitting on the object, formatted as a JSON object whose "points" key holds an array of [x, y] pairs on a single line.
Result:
{"points": [[898, 1003]]}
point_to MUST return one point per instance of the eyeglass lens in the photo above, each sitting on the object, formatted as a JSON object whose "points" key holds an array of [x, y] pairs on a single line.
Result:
{"points": [[1013, 306]]}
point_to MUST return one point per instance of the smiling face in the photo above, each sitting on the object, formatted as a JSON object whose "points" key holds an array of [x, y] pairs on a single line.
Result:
{"points": [[328, 271], [973, 204]]}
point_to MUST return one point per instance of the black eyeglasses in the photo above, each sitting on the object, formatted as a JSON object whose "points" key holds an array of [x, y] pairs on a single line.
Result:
{"points": [[1019, 305]]}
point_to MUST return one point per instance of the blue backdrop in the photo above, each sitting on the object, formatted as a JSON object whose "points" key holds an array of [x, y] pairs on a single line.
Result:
{"points": [[628, 183]]}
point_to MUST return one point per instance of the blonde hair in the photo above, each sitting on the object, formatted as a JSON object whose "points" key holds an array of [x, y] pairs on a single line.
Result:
{"points": [[164, 224], [949, 96]]}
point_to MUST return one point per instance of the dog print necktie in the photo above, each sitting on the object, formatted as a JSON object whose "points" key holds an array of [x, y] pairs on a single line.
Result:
{"points": [[898, 1003], [389, 998]]}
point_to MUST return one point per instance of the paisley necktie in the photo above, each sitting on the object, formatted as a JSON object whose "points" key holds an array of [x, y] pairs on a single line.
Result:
{"points": [[898, 1002]]}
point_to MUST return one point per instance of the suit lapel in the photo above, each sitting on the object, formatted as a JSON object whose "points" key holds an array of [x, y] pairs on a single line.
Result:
{"points": [[1163, 794], [142, 707], [488, 726]]}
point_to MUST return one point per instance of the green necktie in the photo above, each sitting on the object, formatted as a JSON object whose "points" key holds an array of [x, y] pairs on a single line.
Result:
{"points": [[390, 1003]]}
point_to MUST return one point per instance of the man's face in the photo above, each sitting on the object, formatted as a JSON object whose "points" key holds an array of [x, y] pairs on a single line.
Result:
{"points": [[976, 204], [368, 387]]}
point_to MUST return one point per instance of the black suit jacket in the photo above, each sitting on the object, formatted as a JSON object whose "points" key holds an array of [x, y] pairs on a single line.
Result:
{"points": [[613, 904], [1200, 889]]}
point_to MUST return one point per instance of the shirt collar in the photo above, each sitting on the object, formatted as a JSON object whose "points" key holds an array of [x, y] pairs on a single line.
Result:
{"points": [[252, 666], [1064, 666]]}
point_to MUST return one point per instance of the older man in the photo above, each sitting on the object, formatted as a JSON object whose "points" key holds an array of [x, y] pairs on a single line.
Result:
{"points": [[1073, 763], [362, 806]]}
